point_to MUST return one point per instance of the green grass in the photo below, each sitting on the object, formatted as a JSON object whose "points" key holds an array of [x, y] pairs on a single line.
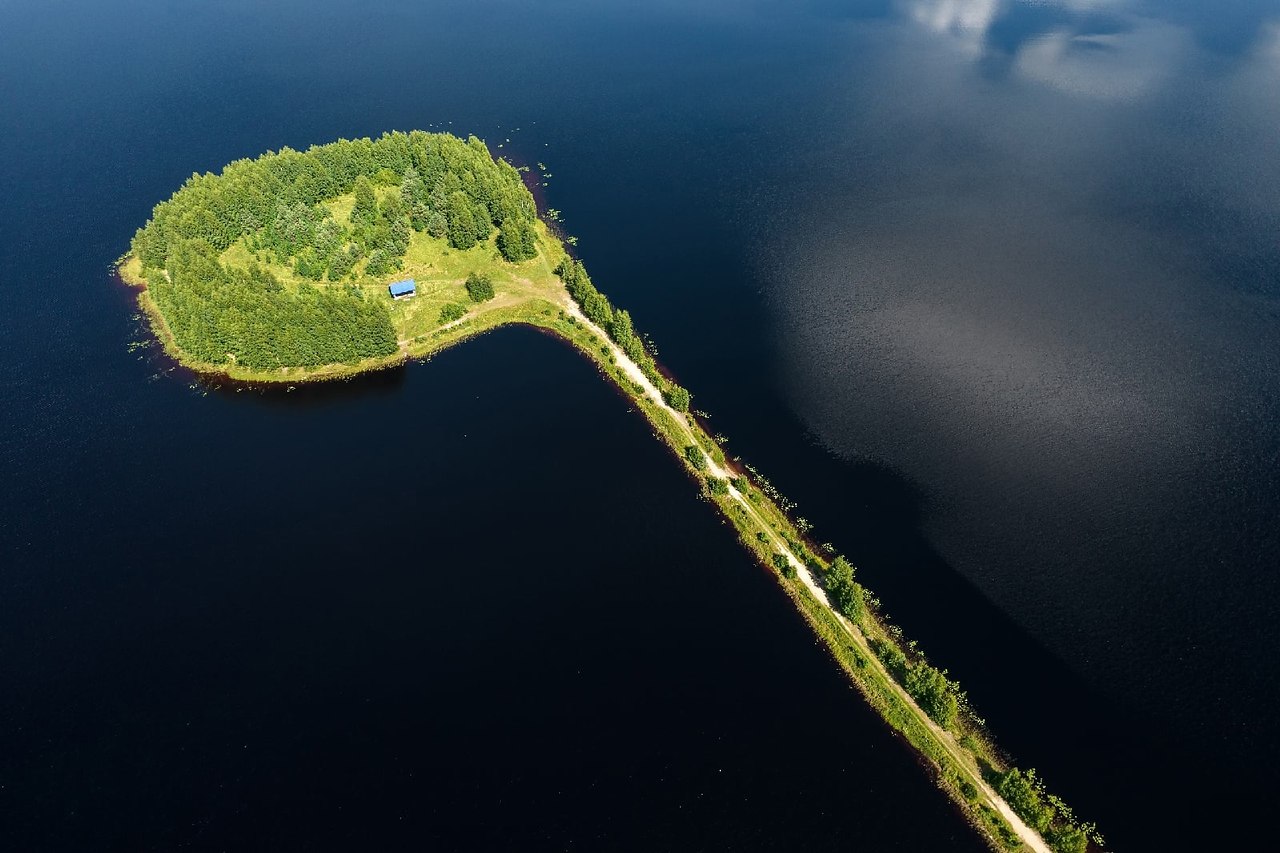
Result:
{"points": [[437, 269], [522, 291]]}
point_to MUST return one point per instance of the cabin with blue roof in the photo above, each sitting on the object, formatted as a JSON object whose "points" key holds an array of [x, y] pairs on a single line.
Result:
{"points": [[402, 289]]}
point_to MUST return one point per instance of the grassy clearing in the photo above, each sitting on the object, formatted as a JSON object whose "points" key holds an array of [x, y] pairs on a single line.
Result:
{"points": [[523, 291]]}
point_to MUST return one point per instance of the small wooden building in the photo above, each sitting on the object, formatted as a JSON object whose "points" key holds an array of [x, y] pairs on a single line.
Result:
{"points": [[402, 289]]}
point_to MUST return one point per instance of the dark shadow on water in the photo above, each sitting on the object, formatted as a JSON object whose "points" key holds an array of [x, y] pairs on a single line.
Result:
{"points": [[385, 382], [293, 671], [382, 382]]}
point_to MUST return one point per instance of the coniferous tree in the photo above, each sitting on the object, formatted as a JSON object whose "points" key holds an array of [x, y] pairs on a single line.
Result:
{"points": [[516, 241], [220, 314], [620, 328], [479, 288], [413, 192], [462, 225], [365, 211], [379, 263], [677, 398]]}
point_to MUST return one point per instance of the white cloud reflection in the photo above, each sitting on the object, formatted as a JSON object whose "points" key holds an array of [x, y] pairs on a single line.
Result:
{"points": [[1115, 66], [1270, 44], [1122, 63], [967, 21], [1037, 287]]}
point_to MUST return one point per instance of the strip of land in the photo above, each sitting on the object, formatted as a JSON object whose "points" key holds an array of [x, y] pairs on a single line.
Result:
{"points": [[305, 298], [548, 306], [943, 738]]}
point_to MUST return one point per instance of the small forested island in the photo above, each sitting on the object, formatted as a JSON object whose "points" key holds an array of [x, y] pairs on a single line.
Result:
{"points": [[350, 256], [277, 268]]}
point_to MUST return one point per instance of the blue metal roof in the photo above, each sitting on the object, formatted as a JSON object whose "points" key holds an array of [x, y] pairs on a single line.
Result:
{"points": [[400, 288]]}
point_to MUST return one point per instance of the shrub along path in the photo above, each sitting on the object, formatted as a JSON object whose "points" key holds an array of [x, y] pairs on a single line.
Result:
{"points": [[944, 739]]}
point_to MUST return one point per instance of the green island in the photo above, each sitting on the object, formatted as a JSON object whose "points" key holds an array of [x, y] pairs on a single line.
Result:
{"points": [[279, 269]]}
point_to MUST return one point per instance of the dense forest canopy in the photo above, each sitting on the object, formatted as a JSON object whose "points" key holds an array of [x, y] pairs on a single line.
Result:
{"points": [[432, 183]]}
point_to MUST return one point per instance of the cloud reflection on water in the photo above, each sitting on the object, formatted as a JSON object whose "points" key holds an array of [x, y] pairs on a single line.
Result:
{"points": [[966, 21], [1052, 304], [1098, 48], [1104, 65]]}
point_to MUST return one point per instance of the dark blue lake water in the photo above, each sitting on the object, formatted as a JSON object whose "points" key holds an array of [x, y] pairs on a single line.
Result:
{"points": [[989, 288]]}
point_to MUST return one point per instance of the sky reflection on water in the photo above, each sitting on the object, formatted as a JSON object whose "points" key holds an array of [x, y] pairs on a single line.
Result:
{"points": [[1045, 289]]}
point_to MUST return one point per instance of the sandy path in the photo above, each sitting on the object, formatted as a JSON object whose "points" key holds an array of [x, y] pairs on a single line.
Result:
{"points": [[1026, 834], [501, 301]]}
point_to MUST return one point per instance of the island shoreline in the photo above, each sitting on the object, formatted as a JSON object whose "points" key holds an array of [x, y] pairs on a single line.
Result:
{"points": [[593, 354]]}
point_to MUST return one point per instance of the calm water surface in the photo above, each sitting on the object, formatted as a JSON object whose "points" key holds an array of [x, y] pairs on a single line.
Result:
{"points": [[999, 284]]}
